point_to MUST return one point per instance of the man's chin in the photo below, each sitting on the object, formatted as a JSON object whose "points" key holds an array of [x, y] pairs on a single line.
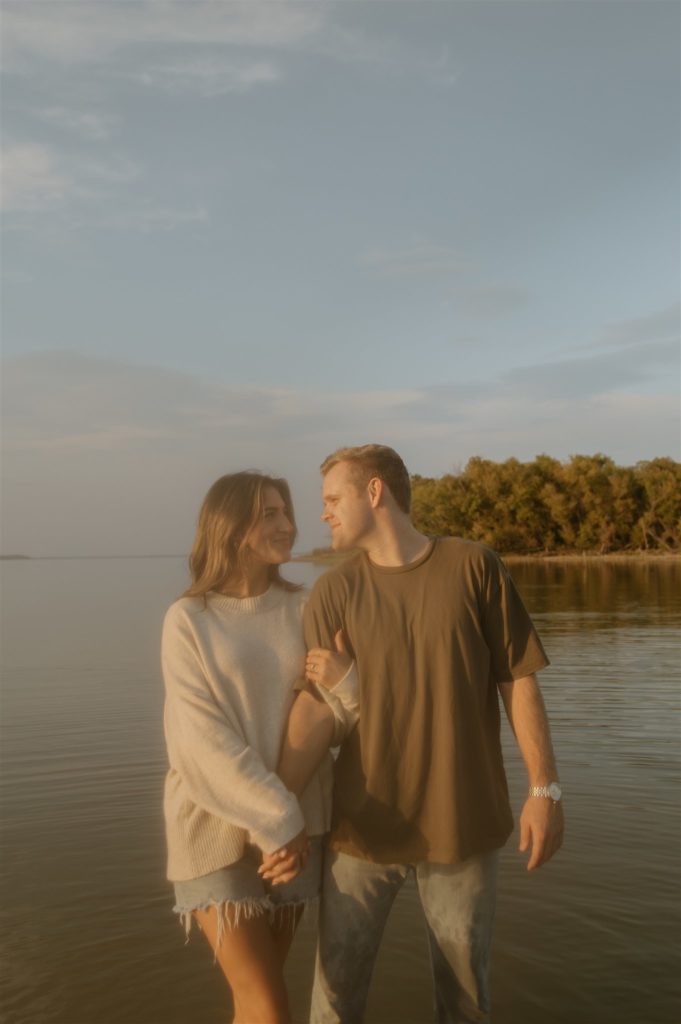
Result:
{"points": [[337, 542]]}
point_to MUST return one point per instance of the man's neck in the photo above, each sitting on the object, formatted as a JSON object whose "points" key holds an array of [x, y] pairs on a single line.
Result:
{"points": [[396, 543]]}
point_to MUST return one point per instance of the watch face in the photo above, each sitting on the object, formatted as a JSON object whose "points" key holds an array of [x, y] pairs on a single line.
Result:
{"points": [[555, 791]]}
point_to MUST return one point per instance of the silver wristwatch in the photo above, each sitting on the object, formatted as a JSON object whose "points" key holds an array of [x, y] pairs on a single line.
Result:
{"points": [[553, 791]]}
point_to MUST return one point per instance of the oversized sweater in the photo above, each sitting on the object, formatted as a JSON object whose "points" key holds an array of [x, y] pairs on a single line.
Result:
{"points": [[229, 667]]}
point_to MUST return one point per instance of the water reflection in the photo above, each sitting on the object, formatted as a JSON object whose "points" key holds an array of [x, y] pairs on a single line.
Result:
{"points": [[600, 592], [88, 931]]}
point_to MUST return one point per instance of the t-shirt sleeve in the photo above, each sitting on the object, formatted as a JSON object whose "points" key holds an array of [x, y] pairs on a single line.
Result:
{"points": [[514, 646], [321, 621], [322, 617]]}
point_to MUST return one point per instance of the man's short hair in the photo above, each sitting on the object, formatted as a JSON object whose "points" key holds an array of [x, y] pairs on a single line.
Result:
{"points": [[375, 460]]}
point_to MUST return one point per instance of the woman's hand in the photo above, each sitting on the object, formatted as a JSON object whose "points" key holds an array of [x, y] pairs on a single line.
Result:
{"points": [[284, 864], [328, 667]]}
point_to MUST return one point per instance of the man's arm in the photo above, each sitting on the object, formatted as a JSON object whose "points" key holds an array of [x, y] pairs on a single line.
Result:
{"points": [[541, 820]]}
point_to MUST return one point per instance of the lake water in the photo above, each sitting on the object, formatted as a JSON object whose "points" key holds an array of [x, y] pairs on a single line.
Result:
{"points": [[87, 930]]}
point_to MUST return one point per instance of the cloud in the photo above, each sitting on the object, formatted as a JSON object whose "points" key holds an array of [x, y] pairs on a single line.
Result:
{"points": [[66, 401], [90, 125], [422, 259], [31, 177], [595, 374], [488, 302], [36, 176], [207, 77], [141, 217], [95, 32], [662, 325], [107, 32], [107, 457], [466, 296]]}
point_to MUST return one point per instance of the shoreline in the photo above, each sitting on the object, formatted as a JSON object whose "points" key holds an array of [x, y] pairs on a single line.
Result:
{"points": [[577, 557]]}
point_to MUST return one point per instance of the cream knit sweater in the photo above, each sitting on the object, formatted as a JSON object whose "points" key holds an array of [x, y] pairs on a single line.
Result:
{"points": [[229, 669]]}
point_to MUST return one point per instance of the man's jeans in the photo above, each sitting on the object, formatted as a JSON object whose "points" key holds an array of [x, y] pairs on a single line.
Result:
{"points": [[458, 903]]}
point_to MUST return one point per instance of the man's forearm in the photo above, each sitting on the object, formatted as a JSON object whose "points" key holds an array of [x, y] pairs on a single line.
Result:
{"points": [[527, 715]]}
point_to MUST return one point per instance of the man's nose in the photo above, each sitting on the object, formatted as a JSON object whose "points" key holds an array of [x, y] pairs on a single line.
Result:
{"points": [[325, 515]]}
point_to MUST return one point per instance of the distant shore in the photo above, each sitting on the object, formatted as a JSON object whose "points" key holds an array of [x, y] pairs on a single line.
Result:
{"points": [[332, 557]]}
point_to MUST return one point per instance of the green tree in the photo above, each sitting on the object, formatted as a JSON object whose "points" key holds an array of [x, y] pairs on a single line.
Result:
{"points": [[659, 525], [585, 504]]}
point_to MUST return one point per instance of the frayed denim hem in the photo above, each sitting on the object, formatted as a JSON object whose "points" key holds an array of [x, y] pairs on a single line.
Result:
{"points": [[284, 914], [245, 910]]}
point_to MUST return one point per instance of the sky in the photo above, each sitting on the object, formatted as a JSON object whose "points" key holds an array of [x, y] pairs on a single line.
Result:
{"points": [[241, 235]]}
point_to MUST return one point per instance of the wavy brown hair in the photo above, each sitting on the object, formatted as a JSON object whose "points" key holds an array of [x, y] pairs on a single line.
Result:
{"points": [[229, 511]]}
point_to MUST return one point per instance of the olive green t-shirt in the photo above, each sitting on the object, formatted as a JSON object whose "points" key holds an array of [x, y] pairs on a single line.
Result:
{"points": [[421, 777]]}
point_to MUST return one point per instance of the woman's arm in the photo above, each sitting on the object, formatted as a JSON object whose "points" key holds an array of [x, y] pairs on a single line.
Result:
{"points": [[309, 734], [321, 718], [334, 675]]}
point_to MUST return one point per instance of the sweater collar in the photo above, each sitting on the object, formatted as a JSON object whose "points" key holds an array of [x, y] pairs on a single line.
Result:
{"points": [[248, 605]]}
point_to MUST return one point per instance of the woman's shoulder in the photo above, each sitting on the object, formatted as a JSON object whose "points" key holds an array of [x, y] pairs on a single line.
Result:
{"points": [[183, 612]]}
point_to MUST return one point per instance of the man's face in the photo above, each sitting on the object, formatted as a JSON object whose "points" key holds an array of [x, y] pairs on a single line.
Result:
{"points": [[347, 508]]}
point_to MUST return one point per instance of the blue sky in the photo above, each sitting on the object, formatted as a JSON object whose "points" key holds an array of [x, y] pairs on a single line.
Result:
{"points": [[244, 234]]}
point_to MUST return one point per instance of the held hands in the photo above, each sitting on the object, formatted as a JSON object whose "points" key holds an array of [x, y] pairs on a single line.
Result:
{"points": [[285, 863], [541, 824], [328, 667]]}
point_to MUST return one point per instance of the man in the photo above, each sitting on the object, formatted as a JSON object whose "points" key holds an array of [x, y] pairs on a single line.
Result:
{"points": [[436, 627]]}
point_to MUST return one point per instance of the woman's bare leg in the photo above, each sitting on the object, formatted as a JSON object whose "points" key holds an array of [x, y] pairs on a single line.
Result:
{"points": [[251, 961], [286, 921]]}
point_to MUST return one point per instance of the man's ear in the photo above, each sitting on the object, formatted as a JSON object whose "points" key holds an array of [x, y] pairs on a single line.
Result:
{"points": [[375, 489]]}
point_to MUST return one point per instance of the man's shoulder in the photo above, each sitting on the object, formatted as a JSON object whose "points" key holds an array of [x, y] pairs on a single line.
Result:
{"points": [[339, 578], [347, 568], [470, 552]]}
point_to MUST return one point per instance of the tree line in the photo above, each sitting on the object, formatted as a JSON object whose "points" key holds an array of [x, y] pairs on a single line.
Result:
{"points": [[587, 504]]}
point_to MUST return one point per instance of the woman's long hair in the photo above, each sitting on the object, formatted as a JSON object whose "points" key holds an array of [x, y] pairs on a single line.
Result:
{"points": [[229, 511]]}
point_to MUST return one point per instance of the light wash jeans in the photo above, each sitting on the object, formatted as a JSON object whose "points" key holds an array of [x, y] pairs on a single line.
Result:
{"points": [[458, 902]]}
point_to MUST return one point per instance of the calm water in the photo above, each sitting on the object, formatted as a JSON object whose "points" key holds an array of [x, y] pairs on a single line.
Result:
{"points": [[88, 934]]}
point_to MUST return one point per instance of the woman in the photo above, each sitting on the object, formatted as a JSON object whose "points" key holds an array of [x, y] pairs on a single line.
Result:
{"points": [[232, 652]]}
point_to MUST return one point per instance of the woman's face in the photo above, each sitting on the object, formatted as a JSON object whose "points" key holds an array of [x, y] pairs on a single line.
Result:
{"points": [[270, 539]]}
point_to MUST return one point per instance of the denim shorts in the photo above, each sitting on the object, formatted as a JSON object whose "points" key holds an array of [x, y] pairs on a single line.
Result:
{"points": [[240, 887]]}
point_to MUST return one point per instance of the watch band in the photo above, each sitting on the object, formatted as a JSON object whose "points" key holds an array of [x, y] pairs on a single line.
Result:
{"points": [[552, 791]]}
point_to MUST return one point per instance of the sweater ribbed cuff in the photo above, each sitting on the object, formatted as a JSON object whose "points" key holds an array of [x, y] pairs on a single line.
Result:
{"points": [[277, 835], [343, 700]]}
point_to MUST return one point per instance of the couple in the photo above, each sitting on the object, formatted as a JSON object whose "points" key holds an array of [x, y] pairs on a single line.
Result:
{"points": [[397, 657]]}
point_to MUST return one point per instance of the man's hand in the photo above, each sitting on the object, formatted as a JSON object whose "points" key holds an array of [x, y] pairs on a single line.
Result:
{"points": [[285, 863], [328, 667], [541, 824]]}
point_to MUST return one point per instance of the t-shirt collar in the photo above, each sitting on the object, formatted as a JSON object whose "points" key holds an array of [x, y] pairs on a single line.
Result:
{"points": [[392, 569]]}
